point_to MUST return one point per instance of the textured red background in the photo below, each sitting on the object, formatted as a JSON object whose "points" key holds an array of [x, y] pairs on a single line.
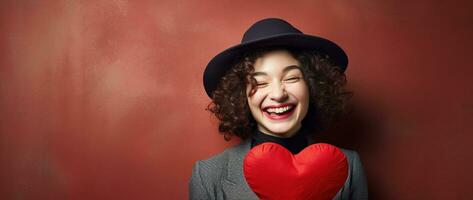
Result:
{"points": [[104, 99]]}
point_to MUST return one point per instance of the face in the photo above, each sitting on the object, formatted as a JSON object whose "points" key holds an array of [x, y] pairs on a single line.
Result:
{"points": [[281, 100]]}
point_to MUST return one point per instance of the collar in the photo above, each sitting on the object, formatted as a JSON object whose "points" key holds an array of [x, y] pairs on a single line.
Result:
{"points": [[294, 144]]}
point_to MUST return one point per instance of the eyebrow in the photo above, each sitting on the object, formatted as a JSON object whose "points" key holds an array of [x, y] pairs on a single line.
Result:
{"points": [[285, 70]]}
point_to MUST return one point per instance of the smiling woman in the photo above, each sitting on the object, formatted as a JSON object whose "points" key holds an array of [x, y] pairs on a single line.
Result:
{"points": [[281, 99], [278, 86]]}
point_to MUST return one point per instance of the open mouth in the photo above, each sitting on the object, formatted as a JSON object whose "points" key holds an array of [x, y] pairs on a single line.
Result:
{"points": [[277, 113]]}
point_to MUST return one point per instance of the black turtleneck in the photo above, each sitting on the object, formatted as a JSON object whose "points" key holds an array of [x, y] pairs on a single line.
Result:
{"points": [[294, 144]]}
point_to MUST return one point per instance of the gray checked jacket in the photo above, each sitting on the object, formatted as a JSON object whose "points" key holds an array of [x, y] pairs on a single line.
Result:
{"points": [[221, 177]]}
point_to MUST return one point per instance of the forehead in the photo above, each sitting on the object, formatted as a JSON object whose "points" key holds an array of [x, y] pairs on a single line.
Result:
{"points": [[274, 62]]}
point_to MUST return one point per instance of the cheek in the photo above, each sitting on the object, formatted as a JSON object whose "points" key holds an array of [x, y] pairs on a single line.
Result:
{"points": [[255, 100], [301, 92]]}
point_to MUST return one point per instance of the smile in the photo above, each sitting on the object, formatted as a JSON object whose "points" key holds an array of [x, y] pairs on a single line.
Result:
{"points": [[279, 112]]}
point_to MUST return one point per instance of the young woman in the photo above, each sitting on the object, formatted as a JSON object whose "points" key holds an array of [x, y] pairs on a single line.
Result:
{"points": [[278, 85]]}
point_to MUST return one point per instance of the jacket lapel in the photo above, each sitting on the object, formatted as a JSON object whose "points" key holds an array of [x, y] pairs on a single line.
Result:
{"points": [[235, 185]]}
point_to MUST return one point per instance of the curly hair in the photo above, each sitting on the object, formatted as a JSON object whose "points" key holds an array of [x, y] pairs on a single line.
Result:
{"points": [[327, 95]]}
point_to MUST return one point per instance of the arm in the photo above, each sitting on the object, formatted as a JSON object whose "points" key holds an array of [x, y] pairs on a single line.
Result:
{"points": [[196, 188], [358, 187]]}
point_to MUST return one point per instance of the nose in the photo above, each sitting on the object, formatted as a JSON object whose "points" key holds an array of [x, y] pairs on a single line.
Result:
{"points": [[278, 93]]}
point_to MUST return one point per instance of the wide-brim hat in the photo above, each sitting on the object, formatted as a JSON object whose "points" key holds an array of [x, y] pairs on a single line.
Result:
{"points": [[267, 33]]}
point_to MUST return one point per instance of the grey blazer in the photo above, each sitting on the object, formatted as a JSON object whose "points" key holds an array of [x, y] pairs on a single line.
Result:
{"points": [[221, 177]]}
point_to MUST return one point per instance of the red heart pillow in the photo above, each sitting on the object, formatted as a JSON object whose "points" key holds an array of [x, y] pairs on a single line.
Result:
{"points": [[317, 172]]}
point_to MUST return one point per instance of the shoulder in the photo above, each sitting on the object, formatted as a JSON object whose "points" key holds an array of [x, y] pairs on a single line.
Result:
{"points": [[217, 160], [352, 155], [214, 166], [205, 175], [354, 161], [356, 184]]}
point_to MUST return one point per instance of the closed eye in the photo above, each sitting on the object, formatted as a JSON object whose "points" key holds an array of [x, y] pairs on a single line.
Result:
{"points": [[261, 84], [293, 79]]}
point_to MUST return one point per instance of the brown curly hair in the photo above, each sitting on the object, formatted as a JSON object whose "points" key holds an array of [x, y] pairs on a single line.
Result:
{"points": [[327, 95]]}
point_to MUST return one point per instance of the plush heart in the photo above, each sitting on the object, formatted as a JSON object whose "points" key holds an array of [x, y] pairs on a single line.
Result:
{"points": [[317, 172]]}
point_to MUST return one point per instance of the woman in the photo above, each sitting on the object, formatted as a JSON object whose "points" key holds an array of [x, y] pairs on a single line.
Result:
{"points": [[279, 85]]}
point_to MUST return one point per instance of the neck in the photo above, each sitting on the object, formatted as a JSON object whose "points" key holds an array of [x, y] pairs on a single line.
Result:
{"points": [[295, 143], [288, 134]]}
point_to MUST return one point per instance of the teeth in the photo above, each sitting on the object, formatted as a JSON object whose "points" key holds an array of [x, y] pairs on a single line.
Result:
{"points": [[279, 110]]}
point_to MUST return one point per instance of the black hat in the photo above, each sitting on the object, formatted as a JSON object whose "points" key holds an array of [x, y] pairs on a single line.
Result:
{"points": [[267, 33]]}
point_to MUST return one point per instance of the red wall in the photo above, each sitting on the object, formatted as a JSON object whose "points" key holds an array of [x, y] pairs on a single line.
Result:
{"points": [[105, 100]]}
